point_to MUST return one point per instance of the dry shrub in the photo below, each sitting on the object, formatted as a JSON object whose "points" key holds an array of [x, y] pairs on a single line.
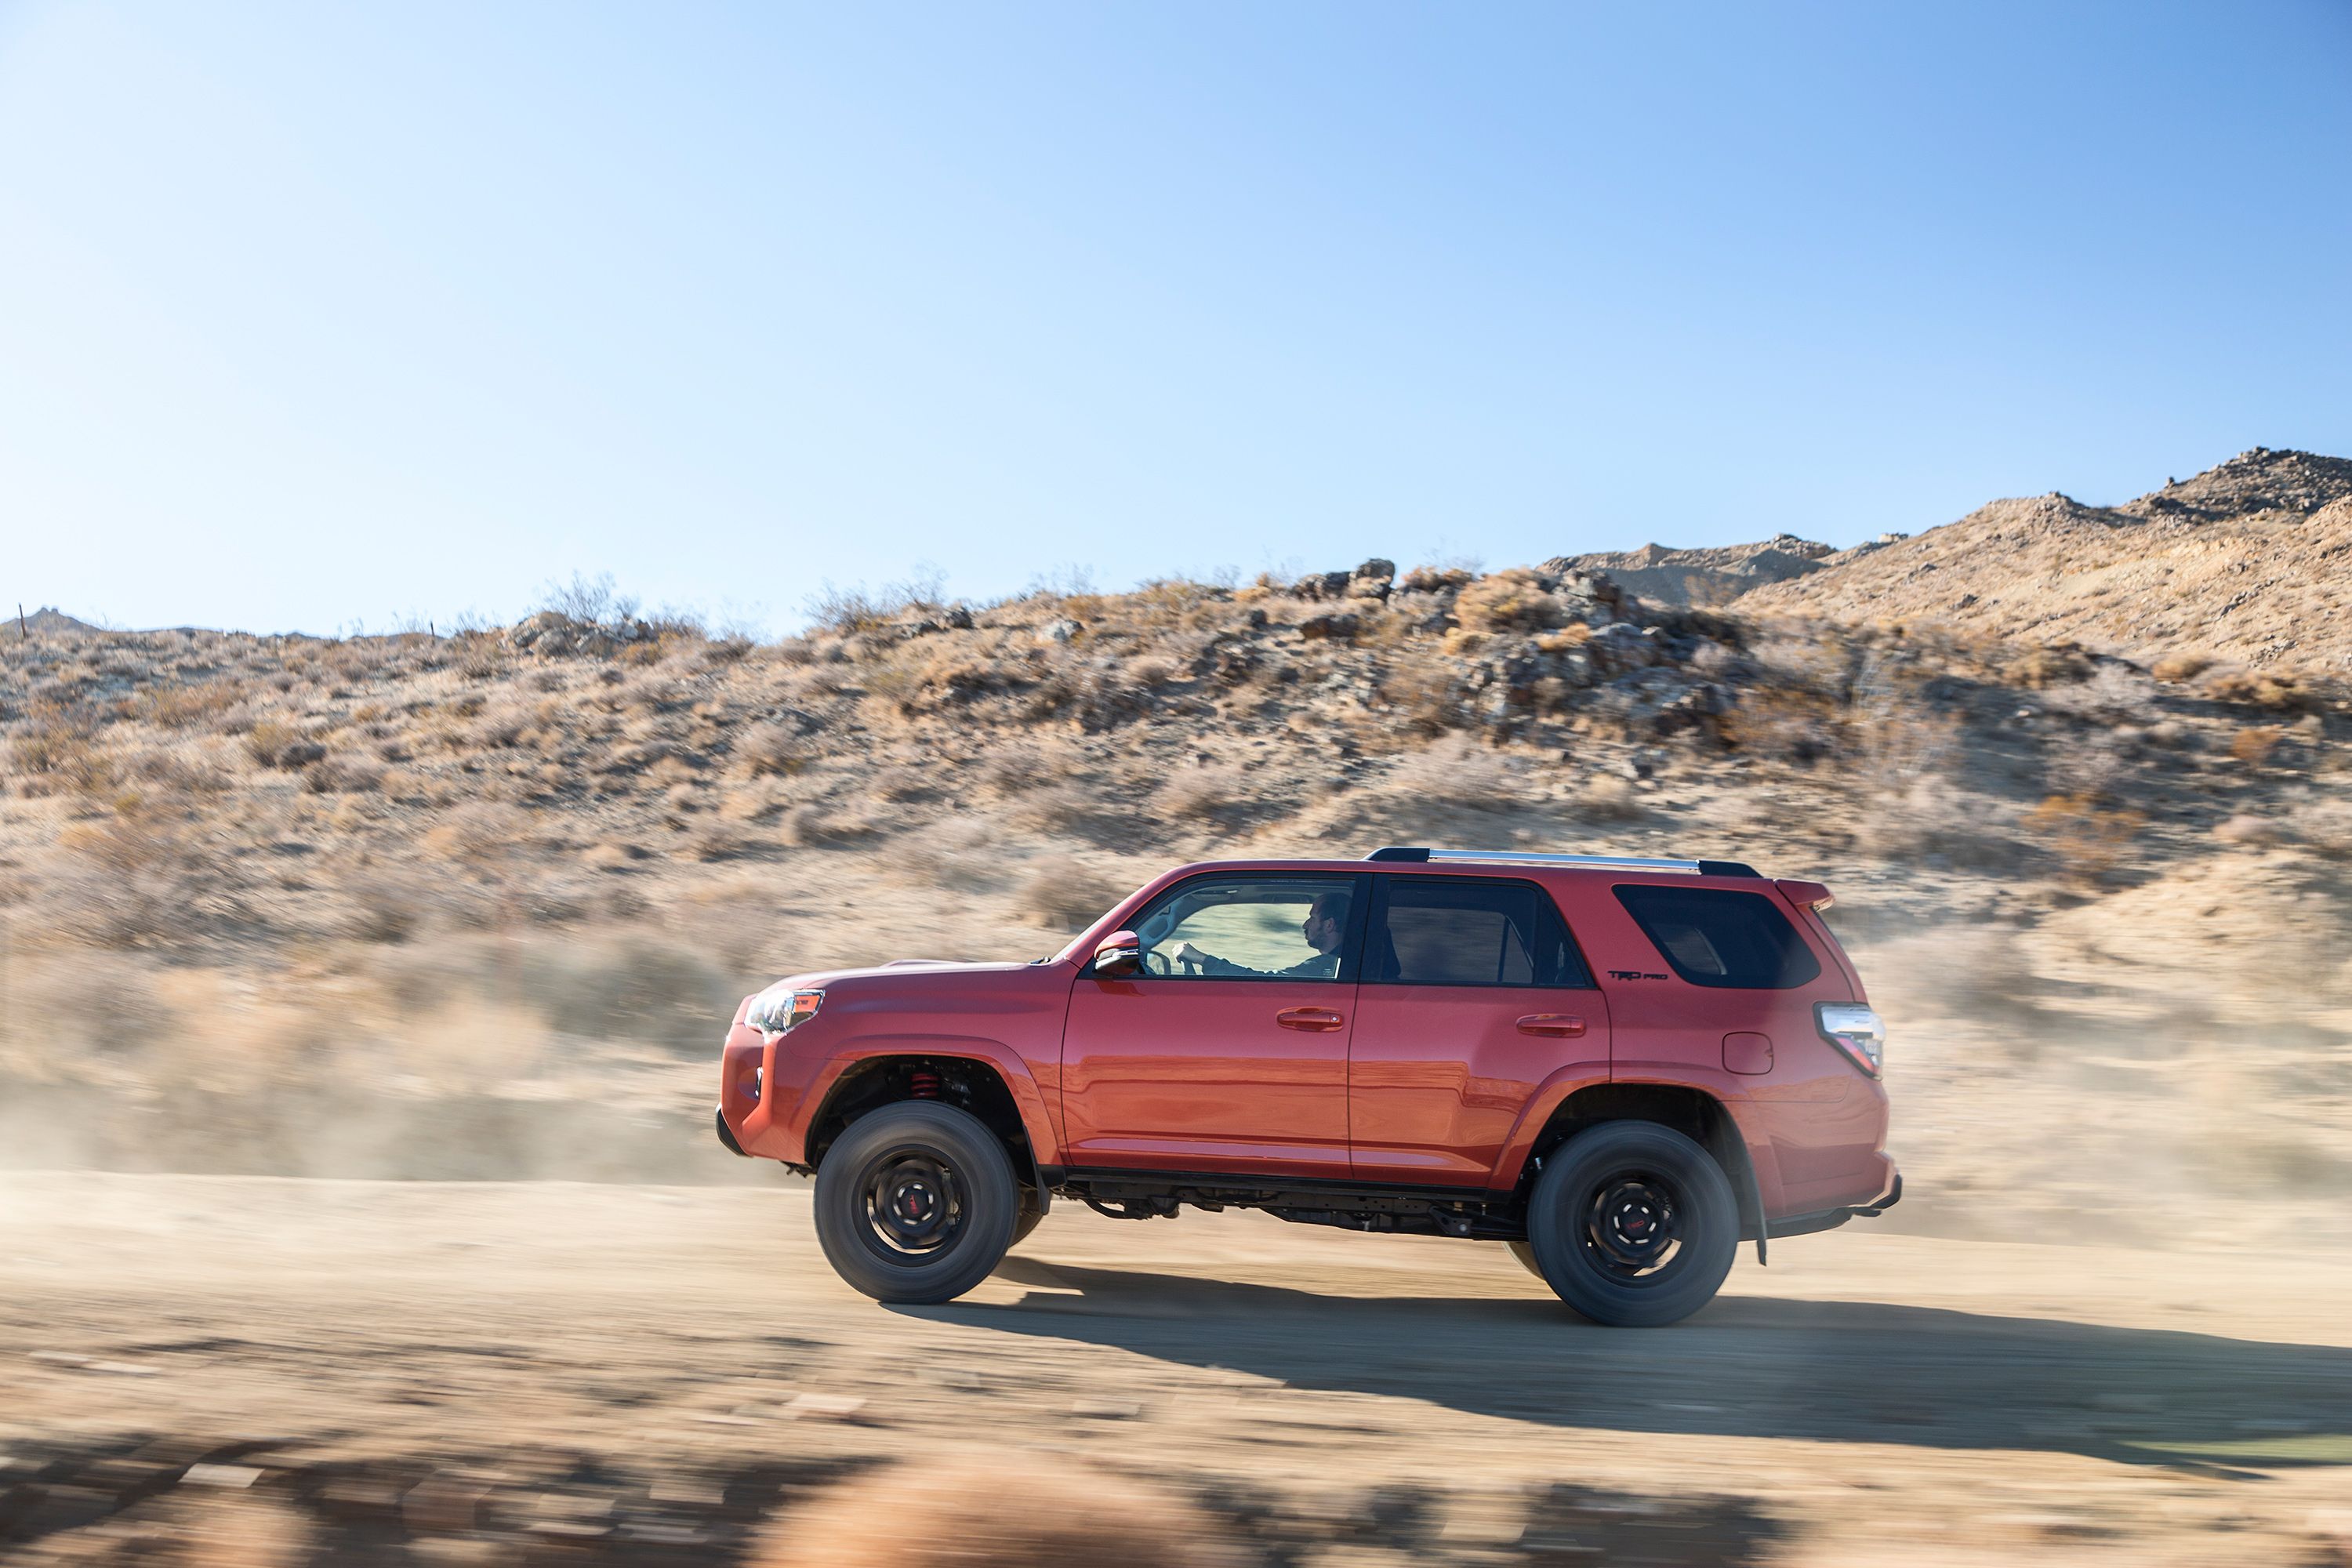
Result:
{"points": [[2089, 769], [179, 772], [2261, 689], [503, 724], [1152, 669], [2116, 693], [1063, 895], [344, 775], [1055, 808], [940, 676], [60, 743], [2247, 831], [191, 707], [2255, 744], [1455, 772], [1932, 816], [482, 655], [188, 1528], [1512, 601], [1782, 724], [2322, 824], [2036, 667], [1605, 797], [2178, 668], [275, 743], [773, 748], [1212, 793], [722, 840], [823, 824], [1424, 696], [478, 833], [2088, 840], [988, 1514]]}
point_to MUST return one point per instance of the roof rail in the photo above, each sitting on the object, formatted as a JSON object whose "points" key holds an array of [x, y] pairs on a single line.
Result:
{"points": [[1417, 855]]}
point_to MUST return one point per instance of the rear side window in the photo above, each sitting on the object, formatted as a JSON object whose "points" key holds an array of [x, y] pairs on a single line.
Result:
{"points": [[1429, 931], [1716, 938]]}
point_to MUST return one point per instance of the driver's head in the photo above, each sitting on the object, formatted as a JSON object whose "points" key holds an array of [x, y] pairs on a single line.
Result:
{"points": [[1326, 926]]}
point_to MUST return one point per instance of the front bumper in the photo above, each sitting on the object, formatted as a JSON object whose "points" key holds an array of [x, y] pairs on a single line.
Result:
{"points": [[727, 1135]]}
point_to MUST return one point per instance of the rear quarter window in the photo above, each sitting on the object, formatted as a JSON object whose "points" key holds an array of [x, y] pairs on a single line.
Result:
{"points": [[1711, 937]]}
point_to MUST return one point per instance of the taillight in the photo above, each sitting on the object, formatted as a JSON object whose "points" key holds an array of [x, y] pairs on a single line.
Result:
{"points": [[1856, 1030]]}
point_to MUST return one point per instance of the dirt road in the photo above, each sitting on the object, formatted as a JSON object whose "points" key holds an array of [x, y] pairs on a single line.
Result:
{"points": [[513, 1373]]}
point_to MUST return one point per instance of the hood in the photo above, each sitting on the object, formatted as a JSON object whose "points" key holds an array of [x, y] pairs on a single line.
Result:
{"points": [[897, 969]]}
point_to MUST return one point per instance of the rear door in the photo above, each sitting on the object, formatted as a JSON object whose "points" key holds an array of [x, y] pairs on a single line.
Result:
{"points": [[1230, 1053], [1473, 992]]}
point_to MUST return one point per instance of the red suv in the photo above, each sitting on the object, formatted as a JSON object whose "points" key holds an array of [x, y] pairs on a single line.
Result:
{"points": [[1621, 1068]]}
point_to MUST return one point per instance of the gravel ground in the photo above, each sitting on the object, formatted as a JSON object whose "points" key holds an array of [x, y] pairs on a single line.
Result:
{"points": [[396, 1372]]}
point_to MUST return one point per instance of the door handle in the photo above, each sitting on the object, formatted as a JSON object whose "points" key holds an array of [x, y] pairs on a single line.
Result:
{"points": [[1558, 1025], [1314, 1020]]}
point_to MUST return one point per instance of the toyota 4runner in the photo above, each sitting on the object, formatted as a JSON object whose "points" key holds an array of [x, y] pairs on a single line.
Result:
{"points": [[1620, 1069]]}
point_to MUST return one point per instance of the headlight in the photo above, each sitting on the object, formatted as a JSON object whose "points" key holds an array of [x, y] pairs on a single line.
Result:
{"points": [[1855, 1029], [777, 1013]]}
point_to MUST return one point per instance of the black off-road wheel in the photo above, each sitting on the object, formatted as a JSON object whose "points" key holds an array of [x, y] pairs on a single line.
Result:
{"points": [[1526, 1253], [915, 1202], [1634, 1224]]}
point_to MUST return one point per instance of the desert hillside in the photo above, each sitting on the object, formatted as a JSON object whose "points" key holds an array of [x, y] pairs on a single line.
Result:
{"points": [[2250, 562], [479, 904]]}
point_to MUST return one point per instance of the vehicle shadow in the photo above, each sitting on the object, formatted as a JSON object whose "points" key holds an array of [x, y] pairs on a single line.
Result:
{"points": [[1745, 1366]]}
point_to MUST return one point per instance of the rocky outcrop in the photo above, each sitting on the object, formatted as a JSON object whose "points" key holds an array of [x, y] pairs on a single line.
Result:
{"points": [[551, 634], [1714, 575], [2250, 562]]}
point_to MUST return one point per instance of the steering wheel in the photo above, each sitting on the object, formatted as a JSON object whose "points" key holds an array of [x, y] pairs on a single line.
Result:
{"points": [[1155, 963]]}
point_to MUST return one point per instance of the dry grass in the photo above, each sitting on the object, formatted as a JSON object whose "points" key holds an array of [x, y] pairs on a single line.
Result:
{"points": [[343, 836], [979, 1513]]}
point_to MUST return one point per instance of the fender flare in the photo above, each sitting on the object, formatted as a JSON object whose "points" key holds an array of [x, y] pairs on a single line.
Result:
{"points": [[1537, 1114], [1757, 1183], [1028, 1098]]}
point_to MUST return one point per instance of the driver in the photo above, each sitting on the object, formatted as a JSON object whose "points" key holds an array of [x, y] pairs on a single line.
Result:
{"points": [[1325, 928]]}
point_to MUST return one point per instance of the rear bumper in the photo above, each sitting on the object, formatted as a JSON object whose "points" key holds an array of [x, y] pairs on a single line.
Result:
{"points": [[1830, 1219]]}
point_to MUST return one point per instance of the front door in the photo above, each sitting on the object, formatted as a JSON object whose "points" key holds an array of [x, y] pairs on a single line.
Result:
{"points": [[1230, 1052], [1473, 993]]}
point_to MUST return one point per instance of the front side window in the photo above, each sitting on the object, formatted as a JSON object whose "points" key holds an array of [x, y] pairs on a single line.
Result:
{"points": [[1431, 931], [1250, 928], [1734, 941]]}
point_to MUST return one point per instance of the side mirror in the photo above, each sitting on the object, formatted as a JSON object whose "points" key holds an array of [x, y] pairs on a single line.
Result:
{"points": [[1119, 955]]}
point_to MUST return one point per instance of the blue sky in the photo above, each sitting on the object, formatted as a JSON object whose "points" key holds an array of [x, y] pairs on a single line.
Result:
{"points": [[320, 315]]}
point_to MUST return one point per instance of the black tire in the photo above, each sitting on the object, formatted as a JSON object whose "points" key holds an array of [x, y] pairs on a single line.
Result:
{"points": [[1634, 1224], [915, 1202], [1526, 1253], [1032, 1215]]}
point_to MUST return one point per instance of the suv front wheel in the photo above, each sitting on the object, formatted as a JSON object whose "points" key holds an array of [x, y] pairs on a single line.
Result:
{"points": [[1633, 1224], [916, 1202]]}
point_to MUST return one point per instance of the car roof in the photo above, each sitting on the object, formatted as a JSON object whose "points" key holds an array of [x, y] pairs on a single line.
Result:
{"points": [[1500, 863]]}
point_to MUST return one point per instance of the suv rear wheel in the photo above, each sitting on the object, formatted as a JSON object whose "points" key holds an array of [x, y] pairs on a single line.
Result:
{"points": [[1632, 1224], [915, 1202]]}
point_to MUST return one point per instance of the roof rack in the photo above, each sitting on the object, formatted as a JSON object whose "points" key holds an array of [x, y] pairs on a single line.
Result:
{"points": [[1417, 853]]}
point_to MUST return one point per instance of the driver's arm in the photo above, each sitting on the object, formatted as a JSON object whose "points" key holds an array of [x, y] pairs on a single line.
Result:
{"points": [[1210, 963]]}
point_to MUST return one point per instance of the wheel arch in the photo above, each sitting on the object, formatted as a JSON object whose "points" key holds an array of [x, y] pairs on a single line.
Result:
{"points": [[961, 1073], [1701, 1117]]}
